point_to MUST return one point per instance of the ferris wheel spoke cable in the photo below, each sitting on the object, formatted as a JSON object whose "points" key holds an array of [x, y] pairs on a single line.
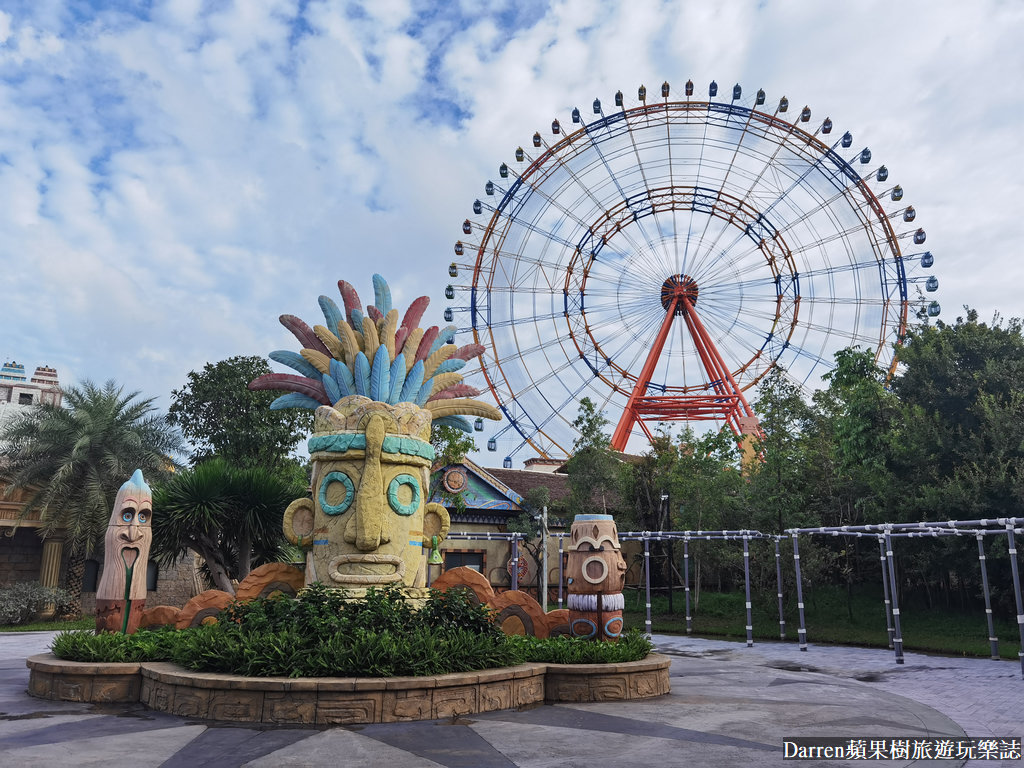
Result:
{"points": [[615, 180], [767, 164], [737, 151], [643, 174], [598, 204], [553, 202]]}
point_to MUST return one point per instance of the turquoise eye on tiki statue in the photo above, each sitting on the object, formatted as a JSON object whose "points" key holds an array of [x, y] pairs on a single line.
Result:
{"points": [[394, 488], [127, 515], [337, 478]]}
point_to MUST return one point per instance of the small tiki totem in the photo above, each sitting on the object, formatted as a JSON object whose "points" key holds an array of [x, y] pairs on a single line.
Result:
{"points": [[121, 595], [596, 575]]}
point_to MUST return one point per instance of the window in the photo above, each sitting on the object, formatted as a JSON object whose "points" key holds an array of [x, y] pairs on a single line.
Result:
{"points": [[456, 558], [24, 398], [152, 573], [91, 575]]}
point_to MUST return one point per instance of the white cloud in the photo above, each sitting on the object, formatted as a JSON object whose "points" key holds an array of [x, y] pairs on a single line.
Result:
{"points": [[169, 185]]}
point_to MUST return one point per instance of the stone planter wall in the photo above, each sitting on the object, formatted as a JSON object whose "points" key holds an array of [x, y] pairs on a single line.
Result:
{"points": [[58, 680], [333, 700]]}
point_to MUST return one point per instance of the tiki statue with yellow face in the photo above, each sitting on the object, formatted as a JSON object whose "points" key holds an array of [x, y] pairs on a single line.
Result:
{"points": [[596, 574], [121, 594], [376, 386]]}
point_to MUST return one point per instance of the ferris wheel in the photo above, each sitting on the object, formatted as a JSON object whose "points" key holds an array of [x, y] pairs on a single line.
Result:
{"points": [[660, 257]]}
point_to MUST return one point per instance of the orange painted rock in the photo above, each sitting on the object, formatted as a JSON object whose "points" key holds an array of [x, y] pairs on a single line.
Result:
{"points": [[558, 622], [269, 579], [517, 613], [465, 578], [160, 616], [203, 608], [110, 615]]}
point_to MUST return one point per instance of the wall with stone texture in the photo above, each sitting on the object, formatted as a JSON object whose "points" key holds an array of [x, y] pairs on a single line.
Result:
{"points": [[20, 556], [174, 586]]}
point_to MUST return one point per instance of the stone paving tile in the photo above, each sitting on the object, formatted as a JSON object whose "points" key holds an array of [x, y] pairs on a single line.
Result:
{"points": [[730, 705], [984, 697]]}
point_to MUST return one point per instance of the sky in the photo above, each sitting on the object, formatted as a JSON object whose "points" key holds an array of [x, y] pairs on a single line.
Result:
{"points": [[175, 175]]}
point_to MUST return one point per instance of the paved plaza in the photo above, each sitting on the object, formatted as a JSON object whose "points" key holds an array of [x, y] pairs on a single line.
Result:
{"points": [[730, 705]]}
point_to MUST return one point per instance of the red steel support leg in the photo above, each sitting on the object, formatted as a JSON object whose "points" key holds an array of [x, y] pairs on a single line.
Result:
{"points": [[726, 400], [629, 414]]}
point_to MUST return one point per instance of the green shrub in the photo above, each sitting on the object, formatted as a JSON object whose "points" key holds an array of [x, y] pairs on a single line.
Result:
{"points": [[113, 647], [22, 601], [320, 634], [632, 646]]}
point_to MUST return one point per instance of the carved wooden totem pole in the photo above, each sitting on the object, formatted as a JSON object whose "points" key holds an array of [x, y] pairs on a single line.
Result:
{"points": [[596, 575], [376, 386], [121, 594]]}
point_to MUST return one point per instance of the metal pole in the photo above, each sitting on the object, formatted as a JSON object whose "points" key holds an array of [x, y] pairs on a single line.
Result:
{"points": [[897, 640], [560, 575], [686, 582], [544, 559], [802, 631], [515, 563], [885, 589], [992, 639], [1015, 572], [647, 580], [746, 586], [778, 581]]}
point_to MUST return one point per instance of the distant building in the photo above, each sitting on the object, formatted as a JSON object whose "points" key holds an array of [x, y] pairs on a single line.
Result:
{"points": [[18, 391], [24, 556]]}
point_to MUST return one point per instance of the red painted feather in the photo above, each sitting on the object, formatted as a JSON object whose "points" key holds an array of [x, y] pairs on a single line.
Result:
{"points": [[468, 352], [287, 382], [350, 297], [414, 313], [400, 336], [304, 334], [425, 344], [374, 313], [455, 390]]}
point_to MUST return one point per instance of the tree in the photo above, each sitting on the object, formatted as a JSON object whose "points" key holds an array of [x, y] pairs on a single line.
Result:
{"points": [[594, 469], [963, 386], [71, 460], [220, 415], [230, 516]]}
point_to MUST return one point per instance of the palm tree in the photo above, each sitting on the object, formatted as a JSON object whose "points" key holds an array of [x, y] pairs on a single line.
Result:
{"points": [[72, 459], [230, 516]]}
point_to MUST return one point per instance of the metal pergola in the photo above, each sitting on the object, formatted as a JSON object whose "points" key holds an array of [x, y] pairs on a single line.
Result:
{"points": [[884, 533]]}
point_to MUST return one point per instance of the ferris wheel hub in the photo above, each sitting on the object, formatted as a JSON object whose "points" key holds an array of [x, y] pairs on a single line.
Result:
{"points": [[682, 286]]}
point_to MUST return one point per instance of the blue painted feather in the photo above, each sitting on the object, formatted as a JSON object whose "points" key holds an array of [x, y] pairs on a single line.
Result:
{"points": [[361, 375], [380, 375], [454, 421], [397, 379], [296, 362], [445, 336], [332, 315], [343, 378], [357, 320], [450, 365], [331, 388], [381, 294], [294, 400], [424, 393], [413, 381]]}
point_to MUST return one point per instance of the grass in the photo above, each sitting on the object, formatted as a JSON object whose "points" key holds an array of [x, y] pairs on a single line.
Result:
{"points": [[827, 619], [86, 622]]}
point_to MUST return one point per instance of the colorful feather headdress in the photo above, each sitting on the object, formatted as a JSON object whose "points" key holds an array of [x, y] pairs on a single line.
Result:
{"points": [[374, 356]]}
